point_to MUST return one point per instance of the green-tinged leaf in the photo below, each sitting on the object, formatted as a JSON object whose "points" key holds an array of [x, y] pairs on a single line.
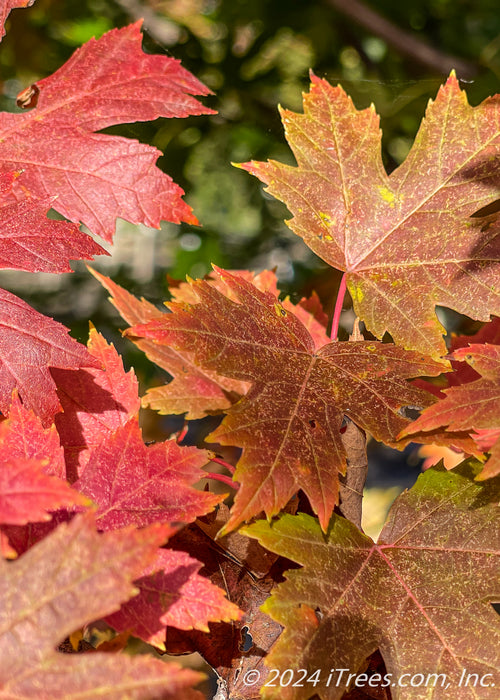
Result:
{"points": [[421, 595]]}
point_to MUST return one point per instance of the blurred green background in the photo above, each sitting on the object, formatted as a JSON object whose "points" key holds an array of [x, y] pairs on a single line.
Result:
{"points": [[254, 55]]}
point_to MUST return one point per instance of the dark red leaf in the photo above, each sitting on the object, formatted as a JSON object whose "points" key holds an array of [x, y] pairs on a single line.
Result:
{"points": [[172, 593], [288, 423]]}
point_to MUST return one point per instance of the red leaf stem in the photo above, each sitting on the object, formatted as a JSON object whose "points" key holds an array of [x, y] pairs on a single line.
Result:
{"points": [[224, 479], [220, 461], [338, 308]]}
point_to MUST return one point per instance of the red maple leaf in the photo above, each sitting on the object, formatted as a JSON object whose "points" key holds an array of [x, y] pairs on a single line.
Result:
{"points": [[172, 593], [27, 493], [22, 436], [32, 476], [408, 241], [30, 343], [31, 469], [96, 177], [135, 484], [288, 423]]}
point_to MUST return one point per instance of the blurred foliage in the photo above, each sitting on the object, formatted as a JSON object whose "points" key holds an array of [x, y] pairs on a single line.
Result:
{"points": [[254, 55]]}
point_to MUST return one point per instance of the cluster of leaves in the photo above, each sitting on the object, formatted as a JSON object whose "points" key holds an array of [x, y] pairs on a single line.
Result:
{"points": [[98, 527]]}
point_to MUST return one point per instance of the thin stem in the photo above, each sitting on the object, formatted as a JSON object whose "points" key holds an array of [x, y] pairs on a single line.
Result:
{"points": [[181, 434], [222, 477], [338, 308], [220, 461]]}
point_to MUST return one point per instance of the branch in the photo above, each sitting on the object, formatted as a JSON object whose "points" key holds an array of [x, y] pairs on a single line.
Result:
{"points": [[352, 484], [406, 43]]}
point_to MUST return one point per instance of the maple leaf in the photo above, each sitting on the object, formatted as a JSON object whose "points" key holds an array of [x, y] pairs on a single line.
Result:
{"points": [[30, 343], [135, 484], [408, 241], [421, 594], [96, 177], [308, 310], [29, 241], [288, 424], [95, 402], [464, 372], [172, 593], [488, 333], [17, 539], [470, 406], [50, 592], [27, 492], [23, 439]]}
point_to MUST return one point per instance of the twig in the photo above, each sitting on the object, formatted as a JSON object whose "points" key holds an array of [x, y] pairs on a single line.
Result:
{"points": [[352, 484], [405, 42]]}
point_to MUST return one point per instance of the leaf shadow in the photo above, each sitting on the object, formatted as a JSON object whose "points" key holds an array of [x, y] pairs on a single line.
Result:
{"points": [[484, 221], [160, 591], [80, 395]]}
